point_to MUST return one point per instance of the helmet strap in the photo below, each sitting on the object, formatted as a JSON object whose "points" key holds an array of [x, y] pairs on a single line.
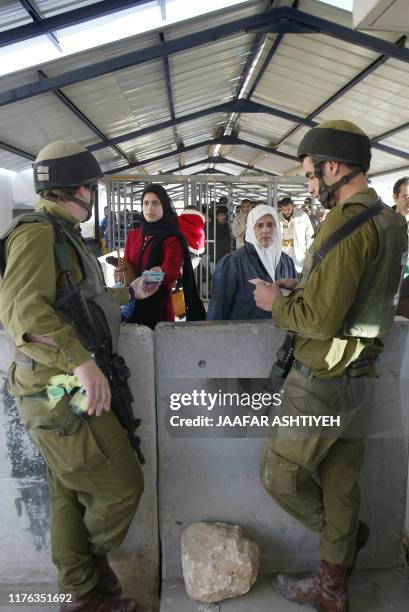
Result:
{"points": [[71, 198], [327, 191]]}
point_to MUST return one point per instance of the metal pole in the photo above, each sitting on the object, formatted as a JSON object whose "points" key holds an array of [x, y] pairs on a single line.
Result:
{"points": [[269, 194], [275, 190], [109, 215]]}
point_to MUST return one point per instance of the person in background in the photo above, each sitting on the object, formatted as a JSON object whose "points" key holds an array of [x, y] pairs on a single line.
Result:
{"points": [[219, 233], [261, 257], [191, 224], [240, 222], [401, 196], [158, 242], [401, 199], [297, 231]]}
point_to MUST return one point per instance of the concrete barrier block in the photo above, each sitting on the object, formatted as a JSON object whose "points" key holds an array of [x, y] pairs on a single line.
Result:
{"points": [[216, 479], [24, 528]]}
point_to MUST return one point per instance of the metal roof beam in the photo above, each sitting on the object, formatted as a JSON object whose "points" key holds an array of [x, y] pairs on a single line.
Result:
{"points": [[78, 113], [226, 160], [218, 160], [280, 19], [211, 171], [241, 106], [256, 48], [391, 132], [354, 37], [240, 141], [343, 90], [270, 19], [162, 6], [65, 20], [224, 140], [16, 151], [36, 17], [232, 140], [168, 80], [402, 169]]}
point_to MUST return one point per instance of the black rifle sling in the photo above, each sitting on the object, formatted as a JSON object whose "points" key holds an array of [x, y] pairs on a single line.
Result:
{"points": [[113, 366], [347, 229]]}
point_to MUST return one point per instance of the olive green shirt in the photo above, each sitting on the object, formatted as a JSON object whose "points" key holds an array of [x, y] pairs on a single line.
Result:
{"points": [[316, 313], [31, 285]]}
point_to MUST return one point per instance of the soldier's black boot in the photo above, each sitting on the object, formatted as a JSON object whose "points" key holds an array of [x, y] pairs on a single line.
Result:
{"points": [[108, 583], [326, 590], [95, 601]]}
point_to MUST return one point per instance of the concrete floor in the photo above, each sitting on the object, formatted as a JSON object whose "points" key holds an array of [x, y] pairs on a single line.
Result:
{"points": [[138, 580], [370, 591]]}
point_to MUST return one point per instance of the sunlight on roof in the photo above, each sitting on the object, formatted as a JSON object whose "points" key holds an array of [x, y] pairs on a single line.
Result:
{"points": [[342, 4], [103, 30]]}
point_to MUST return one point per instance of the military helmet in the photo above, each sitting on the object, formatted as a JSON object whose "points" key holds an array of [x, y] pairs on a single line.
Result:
{"points": [[339, 141], [64, 164]]}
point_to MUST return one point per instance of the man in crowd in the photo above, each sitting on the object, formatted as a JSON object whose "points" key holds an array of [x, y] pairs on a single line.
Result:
{"points": [[401, 199], [61, 317], [296, 230], [401, 196], [343, 301], [219, 233], [240, 222]]}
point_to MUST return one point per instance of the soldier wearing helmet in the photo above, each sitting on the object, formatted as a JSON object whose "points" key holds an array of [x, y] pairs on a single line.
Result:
{"points": [[344, 300], [95, 479]]}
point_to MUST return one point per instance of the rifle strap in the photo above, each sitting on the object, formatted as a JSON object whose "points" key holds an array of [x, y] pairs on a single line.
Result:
{"points": [[347, 229], [61, 251]]}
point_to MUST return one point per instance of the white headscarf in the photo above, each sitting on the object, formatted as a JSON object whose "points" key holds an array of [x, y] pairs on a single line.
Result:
{"points": [[270, 256]]}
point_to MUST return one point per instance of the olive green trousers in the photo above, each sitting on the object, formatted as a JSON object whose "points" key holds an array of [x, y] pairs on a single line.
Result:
{"points": [[95, 483], [313, 473]]}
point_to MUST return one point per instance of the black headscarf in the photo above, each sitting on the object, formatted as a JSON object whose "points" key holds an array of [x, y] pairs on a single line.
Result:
{"points": [[147, 311]]}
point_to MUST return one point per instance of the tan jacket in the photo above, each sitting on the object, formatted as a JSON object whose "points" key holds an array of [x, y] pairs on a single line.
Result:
{"points": [[31, 285], [317, 312]]}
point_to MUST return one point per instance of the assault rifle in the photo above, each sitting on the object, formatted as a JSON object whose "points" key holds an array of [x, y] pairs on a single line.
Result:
{"points": [[97, 339]]}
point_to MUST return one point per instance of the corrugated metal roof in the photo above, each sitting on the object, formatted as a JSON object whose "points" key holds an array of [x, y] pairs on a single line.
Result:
{"points": [[305, 71], [13, 14]]}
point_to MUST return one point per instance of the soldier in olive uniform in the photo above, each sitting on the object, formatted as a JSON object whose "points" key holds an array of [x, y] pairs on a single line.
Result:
{"points": [[95, 480], [343, 301]]}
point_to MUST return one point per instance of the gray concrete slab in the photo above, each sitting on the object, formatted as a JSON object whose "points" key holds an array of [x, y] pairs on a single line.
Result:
{"points": [[370, 591], [216, 478], [24, 526]]}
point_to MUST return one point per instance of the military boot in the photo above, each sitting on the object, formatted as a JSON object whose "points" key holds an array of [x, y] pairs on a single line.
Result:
{"points": [[326, 590], [108, 583], [94, 601]]}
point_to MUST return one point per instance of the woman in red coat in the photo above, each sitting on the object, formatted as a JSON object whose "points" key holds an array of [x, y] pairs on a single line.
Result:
{"points": [[158, 242]]}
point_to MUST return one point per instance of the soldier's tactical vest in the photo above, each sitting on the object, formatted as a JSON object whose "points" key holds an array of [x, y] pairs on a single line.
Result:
{"points": [[92, 284], [374, 307]]}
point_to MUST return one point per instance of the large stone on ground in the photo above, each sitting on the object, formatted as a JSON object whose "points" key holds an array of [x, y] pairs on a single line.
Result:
{"points": [[218, 561]]}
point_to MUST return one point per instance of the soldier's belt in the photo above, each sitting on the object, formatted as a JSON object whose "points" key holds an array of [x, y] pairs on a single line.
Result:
{"points": [[303, 369], [363, 366]]}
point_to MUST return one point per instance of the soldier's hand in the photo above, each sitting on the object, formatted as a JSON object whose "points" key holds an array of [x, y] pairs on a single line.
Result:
{"points": [[96, 387], [265, 295], [287, 283]]}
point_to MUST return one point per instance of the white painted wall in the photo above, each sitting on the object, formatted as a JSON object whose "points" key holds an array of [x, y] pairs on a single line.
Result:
{"points": [[6, 198], [23, 188]]}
